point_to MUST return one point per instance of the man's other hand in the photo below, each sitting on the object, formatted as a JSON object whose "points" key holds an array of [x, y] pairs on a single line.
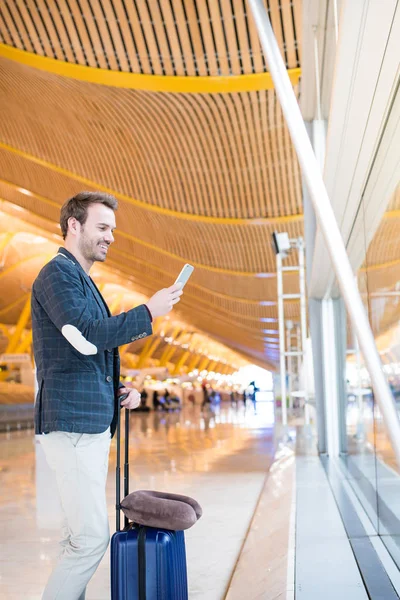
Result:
{"points": [[162, 302], [132, 400]]}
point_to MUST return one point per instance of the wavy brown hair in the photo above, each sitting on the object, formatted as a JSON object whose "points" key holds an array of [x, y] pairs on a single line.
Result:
{"points": [[77, 207]]}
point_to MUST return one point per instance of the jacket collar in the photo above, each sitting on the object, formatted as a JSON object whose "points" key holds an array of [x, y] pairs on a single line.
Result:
{"points": [[93, 287], [69, 256]]}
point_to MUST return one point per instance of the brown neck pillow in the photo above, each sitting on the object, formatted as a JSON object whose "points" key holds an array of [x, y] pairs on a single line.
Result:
{"points": [[161, 510]]}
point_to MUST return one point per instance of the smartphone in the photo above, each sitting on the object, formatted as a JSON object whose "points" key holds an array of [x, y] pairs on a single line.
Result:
{"points": [[184, 275]]}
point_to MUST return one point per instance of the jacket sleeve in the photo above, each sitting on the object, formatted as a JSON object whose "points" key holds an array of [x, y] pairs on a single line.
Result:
{"points": [[60, 293]]}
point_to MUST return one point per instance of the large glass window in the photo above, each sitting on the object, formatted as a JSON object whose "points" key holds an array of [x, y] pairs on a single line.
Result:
{"points": [[370, 460]]}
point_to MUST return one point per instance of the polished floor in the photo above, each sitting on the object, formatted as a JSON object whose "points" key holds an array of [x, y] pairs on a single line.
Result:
{"points": [[219, 457]]}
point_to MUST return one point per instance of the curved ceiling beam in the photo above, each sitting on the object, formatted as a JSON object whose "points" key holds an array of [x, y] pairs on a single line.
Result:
{"points": [[384, 265], [144, 205], [154, 247], [392, 214], [227, 84]]}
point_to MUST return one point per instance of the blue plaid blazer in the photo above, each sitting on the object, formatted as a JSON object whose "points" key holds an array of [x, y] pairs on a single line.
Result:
{"points": [[75, 343]]}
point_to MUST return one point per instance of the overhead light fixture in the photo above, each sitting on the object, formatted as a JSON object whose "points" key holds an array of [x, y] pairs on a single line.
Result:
{"points": [[24, 191], [281, 243]]}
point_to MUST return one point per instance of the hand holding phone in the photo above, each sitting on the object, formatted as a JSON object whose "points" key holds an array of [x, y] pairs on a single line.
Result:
{"points": [[163, 301], [184, 275]]}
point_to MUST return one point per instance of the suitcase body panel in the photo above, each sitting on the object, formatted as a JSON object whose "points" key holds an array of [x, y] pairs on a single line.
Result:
{"points": [[148, 564]]}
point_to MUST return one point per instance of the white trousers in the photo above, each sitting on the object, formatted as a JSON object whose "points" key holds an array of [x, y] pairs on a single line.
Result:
{"points": [[80, 462]]}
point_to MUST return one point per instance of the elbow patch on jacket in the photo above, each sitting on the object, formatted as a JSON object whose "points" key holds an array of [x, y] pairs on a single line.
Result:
{"points": [[76, 339]]}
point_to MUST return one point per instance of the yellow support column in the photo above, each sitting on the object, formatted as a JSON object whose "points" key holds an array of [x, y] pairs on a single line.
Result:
{"points": [[4, 329], [144, 357], [194, 362], [173, 348], [170, 349], [24, 345], [143, 354], [167, 357], [181, 363], [22, 321], [130, 359], [203, 364], [212, 365], [150, 344]]}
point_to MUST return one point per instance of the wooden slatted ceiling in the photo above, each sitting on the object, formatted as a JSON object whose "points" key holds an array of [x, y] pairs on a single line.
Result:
{"points": [[162, 37], [177, 162], [214, 155], [243, 316], [240, 290], [236, 249]]}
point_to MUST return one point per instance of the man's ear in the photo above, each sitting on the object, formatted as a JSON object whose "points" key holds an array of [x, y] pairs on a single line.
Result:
{"points": [[73, 225]]}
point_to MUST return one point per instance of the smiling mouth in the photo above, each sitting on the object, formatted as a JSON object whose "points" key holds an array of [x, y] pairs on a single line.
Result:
{"points": [[103, 247]]}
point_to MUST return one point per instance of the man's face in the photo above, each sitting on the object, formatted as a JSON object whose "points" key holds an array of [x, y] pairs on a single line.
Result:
{"points": [[96, 235]]}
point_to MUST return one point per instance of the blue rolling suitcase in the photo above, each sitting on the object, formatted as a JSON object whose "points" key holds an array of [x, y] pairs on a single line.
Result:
{"points": [[146, 563]]}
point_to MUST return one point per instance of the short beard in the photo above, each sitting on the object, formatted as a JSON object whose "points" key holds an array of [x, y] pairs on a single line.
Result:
{"points": [[87, 250]]}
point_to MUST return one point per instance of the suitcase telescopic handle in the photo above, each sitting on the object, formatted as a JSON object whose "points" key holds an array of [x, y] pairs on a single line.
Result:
{"points": [[118, 466]]}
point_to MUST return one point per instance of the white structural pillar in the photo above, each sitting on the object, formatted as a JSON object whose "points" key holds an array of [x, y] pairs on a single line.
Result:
{"points": [[303, 326], [360, 397], [281, 318], [289, 347], [330, 378], [327, 222]]}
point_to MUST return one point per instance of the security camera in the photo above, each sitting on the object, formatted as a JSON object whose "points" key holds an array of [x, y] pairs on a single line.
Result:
{"points": [[281, 243]]}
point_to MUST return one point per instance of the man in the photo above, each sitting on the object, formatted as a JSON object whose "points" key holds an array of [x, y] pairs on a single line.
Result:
{"points": [[75, 342]]}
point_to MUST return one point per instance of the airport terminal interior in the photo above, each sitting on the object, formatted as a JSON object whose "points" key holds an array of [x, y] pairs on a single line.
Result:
{"points": [[259, 142]]}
